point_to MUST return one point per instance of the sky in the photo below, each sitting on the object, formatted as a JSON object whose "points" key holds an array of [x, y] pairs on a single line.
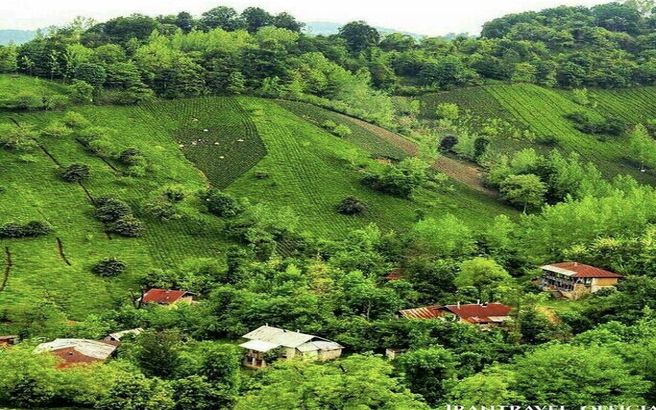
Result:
{"points": [[429, 17]]}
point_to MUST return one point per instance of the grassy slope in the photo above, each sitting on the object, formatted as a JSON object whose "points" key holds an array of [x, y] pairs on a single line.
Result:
{"points": [[543, 111], [11, 84], [310, 171]]}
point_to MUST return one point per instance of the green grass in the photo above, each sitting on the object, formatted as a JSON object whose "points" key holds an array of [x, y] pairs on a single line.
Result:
{"points": [[310, 171], [544, 111], [214, 133], [10, 85], [362, 137]]}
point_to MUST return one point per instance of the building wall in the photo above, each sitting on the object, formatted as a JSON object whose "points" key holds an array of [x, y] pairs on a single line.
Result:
{"points": [[329, 354]]}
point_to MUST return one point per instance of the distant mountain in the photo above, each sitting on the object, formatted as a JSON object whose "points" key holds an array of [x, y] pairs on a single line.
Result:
{"points": [[327, 28], [16, 36]]}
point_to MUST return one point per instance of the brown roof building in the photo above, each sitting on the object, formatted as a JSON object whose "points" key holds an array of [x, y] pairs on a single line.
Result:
{"points": [[426, 312], [480, 313], [8, 340], [167, 297], [73, 352], [573, 280]]}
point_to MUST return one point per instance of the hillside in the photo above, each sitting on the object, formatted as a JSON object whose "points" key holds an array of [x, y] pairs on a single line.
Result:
{"points": [[307, 170], [543, 111]]}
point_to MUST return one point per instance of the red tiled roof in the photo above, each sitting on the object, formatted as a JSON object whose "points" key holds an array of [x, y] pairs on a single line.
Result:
{"points": [[582, 270], [163, 296], [427, 312], [475, 313]]}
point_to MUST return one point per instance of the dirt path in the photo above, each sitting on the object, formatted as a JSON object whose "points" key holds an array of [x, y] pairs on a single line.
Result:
{"points": [[468, 174], [461, 171], [395, 139]]}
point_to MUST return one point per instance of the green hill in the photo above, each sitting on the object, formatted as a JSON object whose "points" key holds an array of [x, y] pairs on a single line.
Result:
{"points": [[544, 112], [253, 147]]}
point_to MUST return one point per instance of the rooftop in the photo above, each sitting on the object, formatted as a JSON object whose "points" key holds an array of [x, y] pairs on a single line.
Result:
{"points": [[266, 338], [426, 312], [89, 348], [480, 313], [163, 296], [580, 270]]}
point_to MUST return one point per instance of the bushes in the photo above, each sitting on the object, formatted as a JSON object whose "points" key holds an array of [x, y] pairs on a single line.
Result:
{"points": [[118, 217], [339, 130], [221, 204], [31, 229], [19, 139], [351, 206], [109, 267], [399, 180], [76, 173], [608, 126]]}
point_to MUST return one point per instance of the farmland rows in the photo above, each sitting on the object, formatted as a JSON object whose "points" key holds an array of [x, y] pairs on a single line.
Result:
{"points": [[361, 135], [216, 134]]}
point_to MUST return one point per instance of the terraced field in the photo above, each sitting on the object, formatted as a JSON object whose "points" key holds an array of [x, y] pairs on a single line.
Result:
{"points": [[213, 133], [361, 135], [544, 112]]}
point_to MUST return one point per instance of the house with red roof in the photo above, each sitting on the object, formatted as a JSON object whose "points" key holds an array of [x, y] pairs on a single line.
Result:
{"points": [[485, 315], [573, 279], [481, 314], [167, 297]]}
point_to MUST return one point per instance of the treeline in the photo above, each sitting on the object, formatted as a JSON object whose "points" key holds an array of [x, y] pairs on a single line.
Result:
{"points": [[225, 52]]}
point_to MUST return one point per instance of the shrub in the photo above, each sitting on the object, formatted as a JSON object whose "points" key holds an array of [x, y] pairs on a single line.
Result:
{"points": [[109, 267], [351, 206], [221, 204], [76, 120], [81, 92], [161, 208], [32, 229], [329, 125], [448, 143], [56, 130], [111, 209], [342, 131], [130, 156], [20, 139], [126, 226], [55, 102], [447, 111], [76, 173], [174, 194]]}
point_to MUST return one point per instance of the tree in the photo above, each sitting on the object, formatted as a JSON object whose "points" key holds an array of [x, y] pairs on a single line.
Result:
{"points": [[109, 267], [76, 173], [90, 73], [8, 59], [354, 382], [444, 237], [483, 274], [428, 372], [255, 18], [158, 353], [526, 191], [221, 204], [184, 21], [135, 392], [351, 206], [81, 92], [359, 36], [222, 17], [447, 111], [495, 385], [288, 22], [642, 147], [577, 375]]}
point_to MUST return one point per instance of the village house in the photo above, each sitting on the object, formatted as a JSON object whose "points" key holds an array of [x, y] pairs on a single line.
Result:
{"points": [[484, 315], [115, 338], [573, 280], [167, 297], [77, 351], [6, 341], [268, 342]]}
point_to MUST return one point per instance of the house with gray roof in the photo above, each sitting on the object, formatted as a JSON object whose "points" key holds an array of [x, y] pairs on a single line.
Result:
{"points": [[267, 343]]}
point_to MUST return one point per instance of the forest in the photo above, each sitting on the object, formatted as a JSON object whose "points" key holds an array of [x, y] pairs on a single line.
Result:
{"points": [[362, 187]]}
